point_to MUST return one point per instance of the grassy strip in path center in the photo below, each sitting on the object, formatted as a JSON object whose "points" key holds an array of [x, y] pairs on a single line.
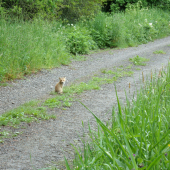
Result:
{"points": [[64, 100], [36, 110]]}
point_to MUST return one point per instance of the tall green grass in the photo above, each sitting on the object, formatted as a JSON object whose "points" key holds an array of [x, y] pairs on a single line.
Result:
{"points": [[138, 136], [28, 46], [135, 26]]}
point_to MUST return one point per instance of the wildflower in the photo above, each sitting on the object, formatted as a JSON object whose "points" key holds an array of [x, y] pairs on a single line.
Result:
{"points": [[133, 155], [153, 91], [168, 145], [150, 24], [165, 154], [71, 24]]}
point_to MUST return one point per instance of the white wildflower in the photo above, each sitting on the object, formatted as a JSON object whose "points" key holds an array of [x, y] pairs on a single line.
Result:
{"points": [[140, 25], [150, 24], [153, 91]]}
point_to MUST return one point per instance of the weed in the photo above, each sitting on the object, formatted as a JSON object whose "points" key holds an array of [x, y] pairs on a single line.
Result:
{"points": [[159, 52], [3, 84], [28, 112], [137, 68], [139, 60], [129, 66]]}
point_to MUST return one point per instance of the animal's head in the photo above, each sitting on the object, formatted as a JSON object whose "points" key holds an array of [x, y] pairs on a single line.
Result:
{"points": [[62, 79]]}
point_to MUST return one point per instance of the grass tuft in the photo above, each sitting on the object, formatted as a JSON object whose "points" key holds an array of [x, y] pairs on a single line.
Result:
{"points": [[159, 52], [28, 112], [139, 61]]}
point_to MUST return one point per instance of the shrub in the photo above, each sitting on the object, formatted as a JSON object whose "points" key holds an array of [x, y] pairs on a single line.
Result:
{"points": [[79, 40]]}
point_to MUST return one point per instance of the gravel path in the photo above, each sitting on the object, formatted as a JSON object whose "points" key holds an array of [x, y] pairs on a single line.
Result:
{"points": [[45, 143]]}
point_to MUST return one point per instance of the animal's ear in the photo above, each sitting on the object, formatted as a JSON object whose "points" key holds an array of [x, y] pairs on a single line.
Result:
{"points": [[59, 78]]}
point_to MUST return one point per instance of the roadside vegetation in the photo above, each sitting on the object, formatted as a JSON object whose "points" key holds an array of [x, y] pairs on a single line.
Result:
{"points": [[138, 135], [30, 45], [159, 52], [139, 60]]}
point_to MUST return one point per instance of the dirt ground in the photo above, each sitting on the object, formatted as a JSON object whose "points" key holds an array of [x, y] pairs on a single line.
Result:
{"points": [[46, 143]]}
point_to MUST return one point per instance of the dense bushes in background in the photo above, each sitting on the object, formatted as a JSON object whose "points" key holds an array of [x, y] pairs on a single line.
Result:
{"points": [[121, 5], [50, 9], [69, 10], [28, 46]]}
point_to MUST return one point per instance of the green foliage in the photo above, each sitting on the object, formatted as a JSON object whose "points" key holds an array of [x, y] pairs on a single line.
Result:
{"points": [[28, 9], [133, 27], [159, 52], [138, 60], [76, 9], [79, 40], [137, 137], [28, 112], [32, 45], [121, 5], [50, 9], [105, 30]]}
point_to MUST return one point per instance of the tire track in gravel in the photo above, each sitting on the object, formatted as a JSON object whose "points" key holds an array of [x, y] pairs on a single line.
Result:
{"points": [[48, 141]]}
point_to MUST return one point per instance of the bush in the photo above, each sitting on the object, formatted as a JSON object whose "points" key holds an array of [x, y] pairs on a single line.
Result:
{"points": [[79, 40], [70, 10]]}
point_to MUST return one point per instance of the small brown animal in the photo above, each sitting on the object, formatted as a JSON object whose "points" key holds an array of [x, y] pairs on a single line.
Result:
{"points": [[60, 84]]}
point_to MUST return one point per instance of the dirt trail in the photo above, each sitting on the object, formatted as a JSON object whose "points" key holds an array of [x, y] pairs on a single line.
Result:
{"points": [[45, 143]]}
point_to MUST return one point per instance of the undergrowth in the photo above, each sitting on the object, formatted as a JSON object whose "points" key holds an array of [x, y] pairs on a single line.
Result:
{"points": [[138, 135], [28, 46], [159, 52], [139, 60], [27, 112]]}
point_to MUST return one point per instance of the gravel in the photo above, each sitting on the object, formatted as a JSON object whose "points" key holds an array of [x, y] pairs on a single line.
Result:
{"points": [[46, 143]]}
